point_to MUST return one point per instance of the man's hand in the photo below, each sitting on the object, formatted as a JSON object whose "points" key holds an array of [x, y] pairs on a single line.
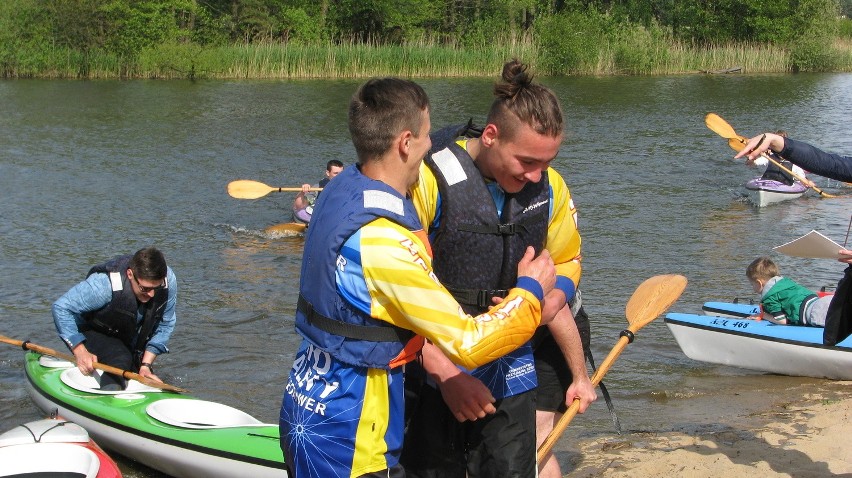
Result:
{"points": [[846, 256], [540, 268], [147, 373], [583, 390], [85, 359], [467, 397]]}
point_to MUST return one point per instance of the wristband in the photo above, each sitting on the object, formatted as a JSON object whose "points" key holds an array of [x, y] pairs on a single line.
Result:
{"points": [[146, 364]]}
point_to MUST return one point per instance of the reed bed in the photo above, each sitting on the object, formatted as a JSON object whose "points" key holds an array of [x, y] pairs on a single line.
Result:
{"points": [[633, 53], [353, 60]]}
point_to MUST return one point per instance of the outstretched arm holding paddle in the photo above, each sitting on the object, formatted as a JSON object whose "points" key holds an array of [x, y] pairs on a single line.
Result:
{"points": [[745, 146], [802, 154]]}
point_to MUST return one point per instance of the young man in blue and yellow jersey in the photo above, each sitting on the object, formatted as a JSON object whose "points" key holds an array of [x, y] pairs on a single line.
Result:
{"points": [[484, 196], [368, 296]]}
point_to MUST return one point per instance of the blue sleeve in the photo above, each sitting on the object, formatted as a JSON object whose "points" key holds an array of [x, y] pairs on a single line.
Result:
{"points": [[816, 161], [91, 294], [160, 339]]}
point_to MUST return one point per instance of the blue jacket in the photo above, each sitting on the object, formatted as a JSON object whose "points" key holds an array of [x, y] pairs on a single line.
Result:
{"points": [[816, 161]]}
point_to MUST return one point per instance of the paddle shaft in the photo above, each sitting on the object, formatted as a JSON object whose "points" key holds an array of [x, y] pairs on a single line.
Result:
{"points": [[293, 190], [106, 368], [569, 414], [799, 178]]}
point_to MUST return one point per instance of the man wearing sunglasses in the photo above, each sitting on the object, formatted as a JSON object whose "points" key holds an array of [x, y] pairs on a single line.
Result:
{"points": [[121, 315]]}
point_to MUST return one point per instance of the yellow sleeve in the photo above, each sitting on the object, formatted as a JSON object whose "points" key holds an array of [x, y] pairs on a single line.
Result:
{"points": [[563, 237], [424, 195], [404, 291]]}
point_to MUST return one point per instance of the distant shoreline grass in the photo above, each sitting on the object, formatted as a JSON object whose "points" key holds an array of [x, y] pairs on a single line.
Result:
{"points": [[418, 60]]}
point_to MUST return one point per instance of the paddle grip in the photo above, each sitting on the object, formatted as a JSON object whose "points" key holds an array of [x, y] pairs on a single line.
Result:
{"points": [[627, 333], [24, 345]]}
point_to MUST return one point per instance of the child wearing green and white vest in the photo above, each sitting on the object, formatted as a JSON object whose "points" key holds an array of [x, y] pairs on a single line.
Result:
{"points": [[783, 301]]}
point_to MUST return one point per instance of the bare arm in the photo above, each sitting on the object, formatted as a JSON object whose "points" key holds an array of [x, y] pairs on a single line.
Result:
{"points": [[466, 396], [567, 337]]}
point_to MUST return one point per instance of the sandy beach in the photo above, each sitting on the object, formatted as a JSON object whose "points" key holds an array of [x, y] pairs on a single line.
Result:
{"points": [[803, 432]]}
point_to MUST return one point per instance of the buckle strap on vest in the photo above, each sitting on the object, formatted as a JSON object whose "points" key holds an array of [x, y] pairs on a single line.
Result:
{"points": [[389, 333], [496, 229], [478, 297], [503, 229]]}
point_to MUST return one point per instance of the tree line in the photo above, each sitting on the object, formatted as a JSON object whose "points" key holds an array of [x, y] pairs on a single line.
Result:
{"points": [[125, 28]]}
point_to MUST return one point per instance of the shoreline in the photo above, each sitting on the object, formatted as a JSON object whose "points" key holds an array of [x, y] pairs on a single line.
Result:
{"points": [[801, 432]]}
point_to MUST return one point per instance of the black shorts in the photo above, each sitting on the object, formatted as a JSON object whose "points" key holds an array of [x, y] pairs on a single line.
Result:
{"points": [[501, 445], [554, 376]]}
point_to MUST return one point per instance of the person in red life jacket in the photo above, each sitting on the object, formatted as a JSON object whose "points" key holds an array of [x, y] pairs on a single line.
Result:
{"points": [[368, 297], [485, 195], [122, 315]]}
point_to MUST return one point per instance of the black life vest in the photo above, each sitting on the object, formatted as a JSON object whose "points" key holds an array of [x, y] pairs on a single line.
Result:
{"points": [[476, 251], [118, 317]]}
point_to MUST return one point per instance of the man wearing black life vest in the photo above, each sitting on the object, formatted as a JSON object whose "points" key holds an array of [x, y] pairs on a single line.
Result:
{"points": [[121, 315], [484, 195]]}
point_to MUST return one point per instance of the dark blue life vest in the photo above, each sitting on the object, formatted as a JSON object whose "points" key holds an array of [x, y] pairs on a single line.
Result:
{"points": [[323, 316], [476, 251], [118, 317]]}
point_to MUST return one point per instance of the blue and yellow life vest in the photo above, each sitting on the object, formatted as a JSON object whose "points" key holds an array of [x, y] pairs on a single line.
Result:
{"points": [[323, 316]]}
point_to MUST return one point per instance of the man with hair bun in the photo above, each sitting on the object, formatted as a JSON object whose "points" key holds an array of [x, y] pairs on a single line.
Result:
{"points": [[484, 195]]}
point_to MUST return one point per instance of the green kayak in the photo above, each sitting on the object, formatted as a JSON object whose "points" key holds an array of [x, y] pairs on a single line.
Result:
{"points": [[174, 433]]}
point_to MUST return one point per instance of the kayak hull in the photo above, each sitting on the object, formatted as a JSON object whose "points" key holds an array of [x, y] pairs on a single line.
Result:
{"points": [[763, 192], [225, 443], [761, 345]]}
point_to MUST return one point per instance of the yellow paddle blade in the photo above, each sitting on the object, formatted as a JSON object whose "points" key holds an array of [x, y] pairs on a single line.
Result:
{"points": [[719, 126], [652, 298], [247, 189]]}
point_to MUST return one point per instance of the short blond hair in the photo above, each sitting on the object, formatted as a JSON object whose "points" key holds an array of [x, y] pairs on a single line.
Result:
{"points": [[762, 268]]}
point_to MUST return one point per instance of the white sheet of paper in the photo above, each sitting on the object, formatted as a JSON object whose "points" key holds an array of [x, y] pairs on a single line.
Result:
{"points": [[812, 245]]}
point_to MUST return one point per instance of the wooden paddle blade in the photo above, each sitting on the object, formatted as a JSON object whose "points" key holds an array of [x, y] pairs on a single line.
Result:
{"points": [[719, 126], [652, 298], [247, 189]]}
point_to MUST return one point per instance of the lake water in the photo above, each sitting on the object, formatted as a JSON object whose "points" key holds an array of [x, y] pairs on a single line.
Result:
{"points": [[93, 169]]}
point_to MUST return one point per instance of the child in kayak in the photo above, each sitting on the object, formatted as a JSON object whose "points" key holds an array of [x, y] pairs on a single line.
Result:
{"points": [[783, 301]]}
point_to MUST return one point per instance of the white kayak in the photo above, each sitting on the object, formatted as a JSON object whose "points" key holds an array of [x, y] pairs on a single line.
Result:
{"points": [[53, 447]]}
